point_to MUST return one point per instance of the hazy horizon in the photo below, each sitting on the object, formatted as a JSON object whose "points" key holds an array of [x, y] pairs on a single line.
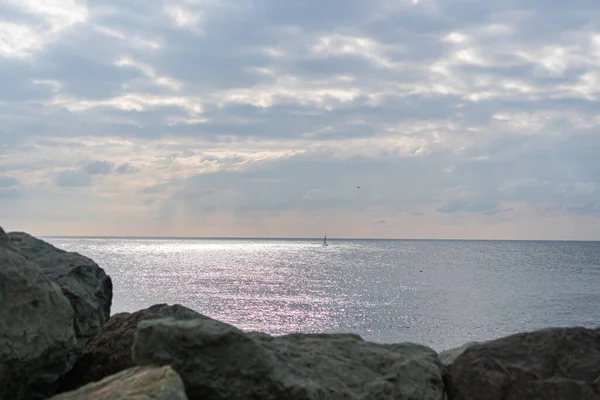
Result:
{"points": [[415, 119], [302, 238]]}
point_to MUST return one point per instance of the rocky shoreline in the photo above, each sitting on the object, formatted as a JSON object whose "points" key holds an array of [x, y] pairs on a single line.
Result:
{"points": [[59, 341]]}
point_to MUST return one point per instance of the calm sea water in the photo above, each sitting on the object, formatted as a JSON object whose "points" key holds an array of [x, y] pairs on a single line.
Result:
{"points": [[438, 293]]}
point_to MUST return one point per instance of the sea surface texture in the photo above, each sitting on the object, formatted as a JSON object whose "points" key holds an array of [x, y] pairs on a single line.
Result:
{"points": [[438, 293]]}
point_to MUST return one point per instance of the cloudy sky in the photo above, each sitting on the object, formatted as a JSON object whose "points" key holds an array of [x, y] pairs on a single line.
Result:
{"points": [[457, 118]]}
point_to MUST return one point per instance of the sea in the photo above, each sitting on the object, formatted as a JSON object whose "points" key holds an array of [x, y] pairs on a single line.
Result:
{"points": [[440, 293]]}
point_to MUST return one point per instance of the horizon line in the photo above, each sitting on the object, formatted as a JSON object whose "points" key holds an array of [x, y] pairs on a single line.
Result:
{"points": [[309, 238]]}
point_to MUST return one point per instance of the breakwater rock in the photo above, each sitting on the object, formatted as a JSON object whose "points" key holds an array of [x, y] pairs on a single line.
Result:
{"points": [[110, 351], [219, 361], [53, 303], [554, 363], [139, 383]]}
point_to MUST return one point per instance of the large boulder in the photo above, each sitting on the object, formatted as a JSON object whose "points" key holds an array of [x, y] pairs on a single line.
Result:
{"points": [[110, 351], [219, 361], [82, 281], [553, 364], [37, 336], [138, 383]]}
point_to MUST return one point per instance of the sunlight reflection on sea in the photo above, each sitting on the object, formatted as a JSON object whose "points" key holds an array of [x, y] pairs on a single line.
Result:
{"points": [[439, 293]]}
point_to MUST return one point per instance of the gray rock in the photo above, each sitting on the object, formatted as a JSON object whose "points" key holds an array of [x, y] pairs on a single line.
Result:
{"points": [[82, 281], [110, 351], [37, 337], [4, 239], [219, 361], [553, 364], [138, 383], [448, 356]]}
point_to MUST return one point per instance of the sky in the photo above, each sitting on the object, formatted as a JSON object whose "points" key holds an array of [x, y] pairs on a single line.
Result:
{"points": [[464, 119]]}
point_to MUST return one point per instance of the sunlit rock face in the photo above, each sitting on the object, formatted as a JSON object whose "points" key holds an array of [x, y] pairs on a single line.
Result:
{"points": [[139, 383]]}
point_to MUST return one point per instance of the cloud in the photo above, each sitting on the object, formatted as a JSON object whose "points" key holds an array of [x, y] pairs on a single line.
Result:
{"points": [[73, 178], [488, 208], [126, 168], [363, 47], [149, 72], [42, 22], [9, 188], [98, 168], [585, 209], [269, 114], [9, 193], [183, 18], [18, 41], [8, 182], [81, 177], [57, 14], [314, 194]]}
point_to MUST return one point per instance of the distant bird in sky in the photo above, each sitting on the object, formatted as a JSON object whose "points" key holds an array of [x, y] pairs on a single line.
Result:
{"points": [[358, 187]]}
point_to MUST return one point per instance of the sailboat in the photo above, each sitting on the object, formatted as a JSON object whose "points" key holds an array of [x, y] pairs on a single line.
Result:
{"points": [[325, 241]]}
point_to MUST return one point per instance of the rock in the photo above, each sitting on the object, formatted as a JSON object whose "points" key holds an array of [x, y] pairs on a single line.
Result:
{"points": [[219, 361], [37, 337], [447, 357], [110, 351], [82, 281], [4, 239], [138, 383], [553, 364]]}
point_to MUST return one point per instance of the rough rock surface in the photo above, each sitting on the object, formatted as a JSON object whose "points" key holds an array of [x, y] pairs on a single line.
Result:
{"points": [[110, 351], [37, 338], [553, 364], [138, 383], [218, 361], [82, 281], [447, 357]]}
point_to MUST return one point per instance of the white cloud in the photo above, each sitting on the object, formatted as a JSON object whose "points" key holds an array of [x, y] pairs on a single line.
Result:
{"points": [[135, 41], [273, 52], [55, 85], [338, 45], [456, 37], [524, 122], [290, 89], [183, 18], [57, 14], [588, 85], [174, 121], [19, 40], [130, 102], [149, 72], [555, 59]]}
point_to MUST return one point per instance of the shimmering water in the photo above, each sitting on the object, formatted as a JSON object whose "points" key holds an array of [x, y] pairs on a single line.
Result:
{"points": [[439, 293]]}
